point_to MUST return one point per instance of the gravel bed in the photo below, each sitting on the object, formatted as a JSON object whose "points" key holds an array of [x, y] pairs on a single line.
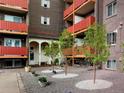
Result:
{"points": [[68, 85]]}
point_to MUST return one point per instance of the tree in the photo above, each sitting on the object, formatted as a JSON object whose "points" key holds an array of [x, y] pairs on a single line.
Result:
{"points": [[52, 51], [66, 41], [96, 39]]}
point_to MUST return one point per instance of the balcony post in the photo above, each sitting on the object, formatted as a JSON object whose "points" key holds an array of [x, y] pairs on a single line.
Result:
{"points": [[13, 63], [39, 54]]}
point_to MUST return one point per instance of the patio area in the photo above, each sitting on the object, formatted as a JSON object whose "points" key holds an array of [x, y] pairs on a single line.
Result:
{"points": [[68, 85]]}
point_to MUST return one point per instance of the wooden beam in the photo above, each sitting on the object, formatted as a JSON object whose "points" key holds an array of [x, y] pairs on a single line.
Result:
{"points": [[12, 32], [13, 56]]}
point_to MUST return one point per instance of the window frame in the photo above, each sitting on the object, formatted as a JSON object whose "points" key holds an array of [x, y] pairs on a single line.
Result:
{"points": [[114, 10], [111, 64], [45, 19], [13, 41], [12, 18], [112, 38], [45, 2]]}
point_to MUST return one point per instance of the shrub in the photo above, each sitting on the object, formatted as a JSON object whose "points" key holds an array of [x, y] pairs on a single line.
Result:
{"points": [[34, 73], [56, 61], [42, 79]]}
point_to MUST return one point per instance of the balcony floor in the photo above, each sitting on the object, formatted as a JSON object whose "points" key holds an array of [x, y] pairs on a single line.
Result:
{"points": [[12, 56], [13, 8], [13, 32]]}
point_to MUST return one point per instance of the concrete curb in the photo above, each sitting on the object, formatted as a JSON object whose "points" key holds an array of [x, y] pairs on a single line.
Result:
{"points": [[20, 83]]}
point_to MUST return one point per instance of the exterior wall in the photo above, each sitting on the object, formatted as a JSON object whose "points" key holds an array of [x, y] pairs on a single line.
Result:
{"points": [[113, 24], [55, 12]]}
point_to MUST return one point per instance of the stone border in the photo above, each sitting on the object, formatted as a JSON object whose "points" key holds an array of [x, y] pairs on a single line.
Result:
{"points": [[51, 71], [20, 83], [89, 85], [63, 76]]}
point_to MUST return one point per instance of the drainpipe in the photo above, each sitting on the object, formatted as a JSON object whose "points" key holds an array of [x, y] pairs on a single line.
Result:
{"points": [[99, 11]]}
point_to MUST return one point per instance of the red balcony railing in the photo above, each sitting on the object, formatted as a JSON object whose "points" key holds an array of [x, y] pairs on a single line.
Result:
{"points": [[76, 4], [68, 11], [82, 24], [13, 26], [13, 51], [16, 3]]}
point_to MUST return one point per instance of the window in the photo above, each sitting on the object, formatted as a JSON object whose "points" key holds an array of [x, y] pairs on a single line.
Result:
{"points": [[17, 43], [112, 8], [111, 38], [111, 64], [8, 42], [13, 18], [45, 3], [12, 42], [45, 20], [17, 19]]}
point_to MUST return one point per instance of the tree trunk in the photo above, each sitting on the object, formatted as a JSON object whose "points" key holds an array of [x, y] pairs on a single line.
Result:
{"points": [[52, 65], [66, 67], [94, 73]]}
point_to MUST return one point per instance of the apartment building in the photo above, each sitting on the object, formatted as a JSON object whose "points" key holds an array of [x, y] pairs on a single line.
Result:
{"points": [[13, 33], [45, 25], [78, 16], [45, 19], [113, 18]]}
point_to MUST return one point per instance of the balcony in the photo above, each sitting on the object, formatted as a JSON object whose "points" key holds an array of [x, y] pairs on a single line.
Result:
{"points": [[76, 52], [82, 25], [14, 5], [80, 7], [13, 51], [13, 27]]}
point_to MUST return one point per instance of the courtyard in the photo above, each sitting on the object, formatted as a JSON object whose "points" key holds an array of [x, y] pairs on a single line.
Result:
{"points": [[31, 85]]}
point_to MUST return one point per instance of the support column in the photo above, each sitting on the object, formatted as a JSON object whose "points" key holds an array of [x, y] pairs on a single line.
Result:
{"points": [[39, 54], [13, 63]]}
